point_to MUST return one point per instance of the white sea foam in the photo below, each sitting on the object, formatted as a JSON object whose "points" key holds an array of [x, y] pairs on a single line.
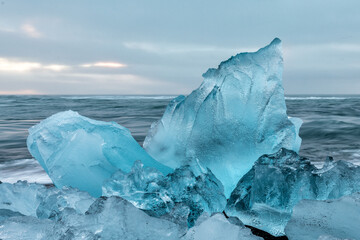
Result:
{"points": [[355, 155], [31, 171]]}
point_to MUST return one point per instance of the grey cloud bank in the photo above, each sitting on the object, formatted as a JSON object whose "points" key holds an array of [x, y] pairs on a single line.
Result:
{"points": [[163, 47]]}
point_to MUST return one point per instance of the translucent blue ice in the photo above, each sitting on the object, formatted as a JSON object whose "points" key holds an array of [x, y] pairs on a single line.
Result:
{"points": [[106, 218], [265, 196], [326, 220], [21, 197], [72, 214], [31, 199], [235, 116], [80, 152], [180, 196]]}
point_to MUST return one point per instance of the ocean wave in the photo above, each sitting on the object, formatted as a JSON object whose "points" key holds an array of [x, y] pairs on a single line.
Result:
{"points": [[355, 154], [25, 170], [120, 97], [319, 98]]}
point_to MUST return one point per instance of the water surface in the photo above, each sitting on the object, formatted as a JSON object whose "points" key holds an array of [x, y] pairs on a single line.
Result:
{"points": [[331, 124]]}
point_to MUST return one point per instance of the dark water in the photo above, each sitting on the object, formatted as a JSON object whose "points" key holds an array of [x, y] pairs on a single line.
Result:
{"points": [[331, 124]]}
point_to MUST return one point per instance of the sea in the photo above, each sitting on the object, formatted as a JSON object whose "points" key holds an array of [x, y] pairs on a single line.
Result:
{"points": [[331, 125]]}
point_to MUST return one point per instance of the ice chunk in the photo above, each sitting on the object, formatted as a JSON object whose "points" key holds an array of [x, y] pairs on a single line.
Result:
{"points": [[27, 228], [55, 200], [36, 200], [107, 218], [5, 213], [115, 218], [265, 196], [218, 227], [21, 197], [331, 219], [80, 152], [180, 196], [327, 237], [235, 116]]}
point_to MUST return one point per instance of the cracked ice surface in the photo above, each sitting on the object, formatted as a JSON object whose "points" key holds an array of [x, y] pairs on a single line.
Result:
{"points": [[180, 196], [53, 214], [111, 218], [235, 116], [32, 199], [326, 220]]}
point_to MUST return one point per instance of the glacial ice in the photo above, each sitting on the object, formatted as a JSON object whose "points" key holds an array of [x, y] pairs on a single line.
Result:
{"points": [[180, 196], [336, 219], [116, 218], [265, 196], [80, 152], [235, 116], [21, 197], [74, 217], [205, 143], [107, 218], [27, 228], [31, 199]]}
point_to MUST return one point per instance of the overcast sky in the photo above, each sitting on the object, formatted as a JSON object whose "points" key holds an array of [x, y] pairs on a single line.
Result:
{"points": [[163, 47]]}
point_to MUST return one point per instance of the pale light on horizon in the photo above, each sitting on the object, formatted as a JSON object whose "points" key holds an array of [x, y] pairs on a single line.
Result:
{"points": [[56, 67], [104, 64], [7, 65], [20, 92]]}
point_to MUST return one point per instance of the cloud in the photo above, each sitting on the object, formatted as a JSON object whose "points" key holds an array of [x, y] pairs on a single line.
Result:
{"points": [[325, 47], [104, 65], [13, 65], [181, 48], [344, 47], [87, 83], [175, 51], [9, 65], [7, 30], [326, 57], [56, 67], [30, 31]]}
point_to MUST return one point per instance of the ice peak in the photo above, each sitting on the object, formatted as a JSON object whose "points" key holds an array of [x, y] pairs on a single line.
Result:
{"points": [[235, 116], [271, 53], [275, 42], [275, 47]]}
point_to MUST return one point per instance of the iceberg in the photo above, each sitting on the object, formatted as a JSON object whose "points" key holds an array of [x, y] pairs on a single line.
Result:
{"points": [[330, 219], [265, 196], [235, 116], [230, 138], [80, 152], [181, 196]]}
